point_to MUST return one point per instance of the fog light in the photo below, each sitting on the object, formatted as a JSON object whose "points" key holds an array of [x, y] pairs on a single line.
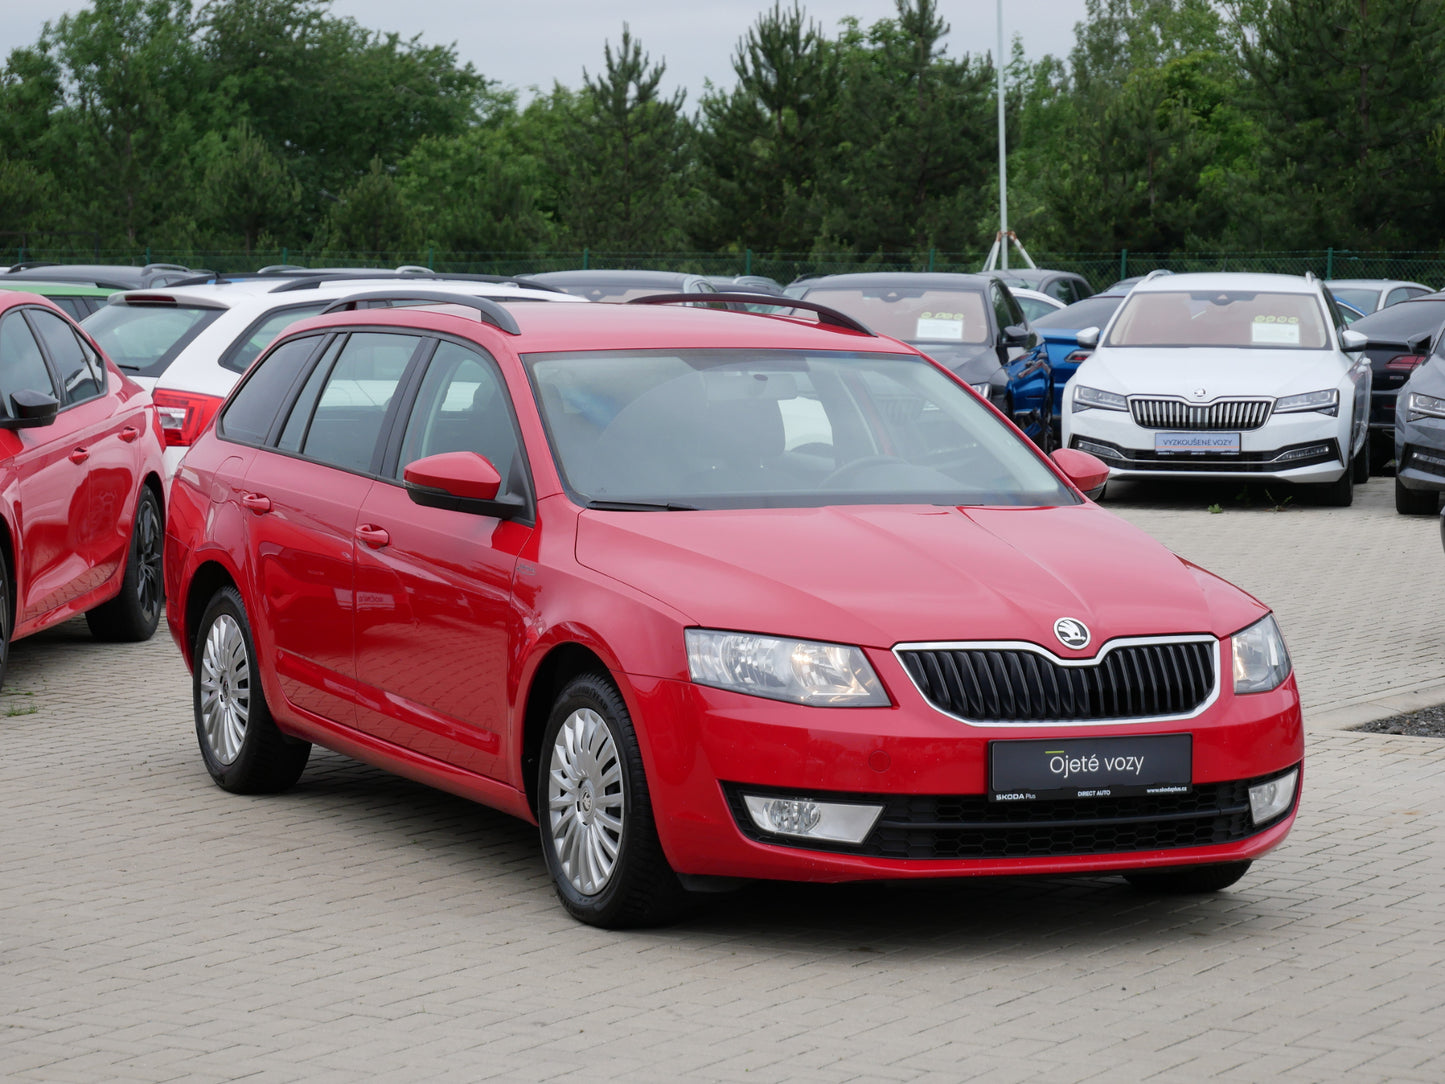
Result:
{"points": [[1269, 800], [839, 821]]}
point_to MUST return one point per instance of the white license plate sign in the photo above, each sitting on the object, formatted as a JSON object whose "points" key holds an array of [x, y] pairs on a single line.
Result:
{"points": [[1090, 767], [1196, 443]]}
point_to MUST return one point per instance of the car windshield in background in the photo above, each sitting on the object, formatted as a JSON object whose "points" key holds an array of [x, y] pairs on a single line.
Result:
{"points": [[694, 429], [144, 339], [1091, 312], [1364, 300], [916, 315], [1232, 318]]}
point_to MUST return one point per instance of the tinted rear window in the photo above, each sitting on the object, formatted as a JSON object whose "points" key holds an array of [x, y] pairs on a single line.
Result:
{"points": [[144, 339], [1403, 320]]}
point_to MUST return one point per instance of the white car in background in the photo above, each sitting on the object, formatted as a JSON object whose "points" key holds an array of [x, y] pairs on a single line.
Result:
{"points": [[1225, 375], [189, 343]]}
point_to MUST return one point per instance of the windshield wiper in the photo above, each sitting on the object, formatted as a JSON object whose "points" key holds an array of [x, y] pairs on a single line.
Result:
{"points": [[641, 506]]}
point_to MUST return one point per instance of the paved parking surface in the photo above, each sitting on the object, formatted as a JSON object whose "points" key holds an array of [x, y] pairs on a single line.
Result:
{"points": [[153, 928]]}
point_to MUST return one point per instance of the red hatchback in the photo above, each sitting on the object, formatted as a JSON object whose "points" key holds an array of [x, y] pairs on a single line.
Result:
{"points": [[713, 595], [80, 489]]}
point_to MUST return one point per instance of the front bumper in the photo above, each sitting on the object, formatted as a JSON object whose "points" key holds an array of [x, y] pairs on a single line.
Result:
{"points": [[705, 748], [1420, 453], [1304, 448]]}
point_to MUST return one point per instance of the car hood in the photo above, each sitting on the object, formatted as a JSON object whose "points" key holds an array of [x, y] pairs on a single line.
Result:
{"points": [[1428, 379], [973, 364], [879, 575], [1220, 372]]}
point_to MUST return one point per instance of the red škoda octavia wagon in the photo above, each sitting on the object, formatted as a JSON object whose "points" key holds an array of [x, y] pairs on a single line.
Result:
{"points": [[81, 521], [713, 594]]}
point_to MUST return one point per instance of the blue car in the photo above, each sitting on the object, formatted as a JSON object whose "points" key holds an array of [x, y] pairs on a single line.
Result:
{"points": [[1059, 331], [970, 324]]}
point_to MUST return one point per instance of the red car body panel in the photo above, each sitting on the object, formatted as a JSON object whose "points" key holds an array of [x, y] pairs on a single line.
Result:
{"points": [[413, 638], [68, 492]]}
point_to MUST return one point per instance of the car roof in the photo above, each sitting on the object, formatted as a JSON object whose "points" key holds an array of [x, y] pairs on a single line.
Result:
{"points": [[591, 327], [583, 277], [116, 276], [263, 293], [1369, 284], [57, 289], [942, 280], [1227, 280]]}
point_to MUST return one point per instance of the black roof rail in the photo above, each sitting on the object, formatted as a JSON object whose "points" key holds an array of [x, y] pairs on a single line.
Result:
{"points": [[489, 311], [830, 316]]}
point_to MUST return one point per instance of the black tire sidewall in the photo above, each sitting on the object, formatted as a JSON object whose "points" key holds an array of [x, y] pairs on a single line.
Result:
{"points": [[617, 903]]}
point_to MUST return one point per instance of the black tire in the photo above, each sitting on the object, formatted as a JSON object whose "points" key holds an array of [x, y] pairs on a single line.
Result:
{"points": [[1382, 451], [6, 623], [134, 612], [1188, 880], [590, 764], [243, 749], [1360, 465], [1340, 493], [1416, 502]]}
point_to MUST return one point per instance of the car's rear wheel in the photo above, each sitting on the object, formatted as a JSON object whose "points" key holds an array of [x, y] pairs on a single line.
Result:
{"points": [[243, 749], [1188, 880], [1415, 502], [595, 812], [136, 609]]}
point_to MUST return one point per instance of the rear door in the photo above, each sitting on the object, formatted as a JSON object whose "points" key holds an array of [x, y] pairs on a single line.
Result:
{"points": [[302, 497]]}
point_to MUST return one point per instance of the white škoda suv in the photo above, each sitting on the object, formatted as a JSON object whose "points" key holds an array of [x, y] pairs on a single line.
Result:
{"points": [[1226, 376]]}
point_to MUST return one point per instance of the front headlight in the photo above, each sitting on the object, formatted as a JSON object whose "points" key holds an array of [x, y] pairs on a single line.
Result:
{"points": [[1098, 399], [1326, 402], [1261, 662], [1423, 406], [801, 671]]}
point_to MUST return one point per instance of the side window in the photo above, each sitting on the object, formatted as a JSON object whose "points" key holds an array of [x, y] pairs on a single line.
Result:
{"points": [[463, 406], [81, 374], [351, 409], [294, 433], [262, 333], [1396, 296], [248, 416], [22, 367], [1002, 315]]}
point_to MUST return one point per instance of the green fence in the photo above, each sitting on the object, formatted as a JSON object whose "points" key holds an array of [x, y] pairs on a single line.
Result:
{"points": [[1100, 268]]}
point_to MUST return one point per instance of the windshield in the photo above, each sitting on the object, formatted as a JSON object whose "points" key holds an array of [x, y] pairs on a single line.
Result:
{"points": [[1364, 300], [1234, 318], [916, 314], [144, 339], [1091, 312], [748, 429]]}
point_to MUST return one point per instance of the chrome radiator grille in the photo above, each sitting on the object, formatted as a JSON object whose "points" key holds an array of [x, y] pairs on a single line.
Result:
{"points": [[1008, 685], [1177, 414]]}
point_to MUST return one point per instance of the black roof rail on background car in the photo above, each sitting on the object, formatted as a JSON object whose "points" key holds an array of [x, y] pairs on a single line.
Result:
{"points": [[489, 311], [826, 315]]}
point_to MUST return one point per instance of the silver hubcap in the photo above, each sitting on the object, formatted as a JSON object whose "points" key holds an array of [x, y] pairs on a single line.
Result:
{"points": [[585, 801], [225, 689]]}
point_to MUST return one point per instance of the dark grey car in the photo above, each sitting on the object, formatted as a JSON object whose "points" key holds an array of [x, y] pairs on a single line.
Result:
{"points": [[1420, 437]]}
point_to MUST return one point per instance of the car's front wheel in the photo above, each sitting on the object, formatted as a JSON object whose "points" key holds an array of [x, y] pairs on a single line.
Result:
{"points": [[598, 833], [1341, 492], [1188, 880], [1360, 465], [1415, 502], [136, 609], [243, 749]]}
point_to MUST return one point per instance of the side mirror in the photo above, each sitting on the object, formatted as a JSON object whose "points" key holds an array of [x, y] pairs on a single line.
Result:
{"points": [[31, 410], [1420, 343], [1353, 341], [1015, 335], [460, 482], [1084, 470], [1088, 338]]}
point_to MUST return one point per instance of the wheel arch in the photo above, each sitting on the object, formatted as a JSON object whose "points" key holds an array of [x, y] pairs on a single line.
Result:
{"points": [[208, 578], [560, 665]]}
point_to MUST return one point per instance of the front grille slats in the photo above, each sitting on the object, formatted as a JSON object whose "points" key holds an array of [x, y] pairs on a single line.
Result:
{"points": [[1018, 685], [1177, 414]]}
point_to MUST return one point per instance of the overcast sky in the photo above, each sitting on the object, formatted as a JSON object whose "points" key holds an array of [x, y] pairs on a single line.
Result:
{"points": [[526, 45]]}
